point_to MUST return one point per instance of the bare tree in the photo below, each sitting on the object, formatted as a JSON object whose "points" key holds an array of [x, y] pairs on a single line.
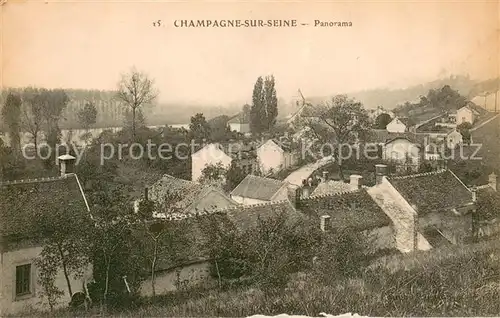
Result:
{"points": [[136, 89], [31, 112]]}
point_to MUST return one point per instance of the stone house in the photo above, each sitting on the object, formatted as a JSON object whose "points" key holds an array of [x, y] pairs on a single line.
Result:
{"points": [[425, 207], [193, 196], [191, 265], [243, 155], [274, 155], [21, 203], [403, 151], [398, 125], [239, 124], [254, 190], [467, 114]]}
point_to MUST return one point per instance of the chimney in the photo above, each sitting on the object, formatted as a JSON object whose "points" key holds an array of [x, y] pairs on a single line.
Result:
{"points": [[66, 164], [492, 181], [474, 194], [325, 176], [146, 194], [294, 193], [380, 172], [356, 181], [325, 223], [306, 191]]}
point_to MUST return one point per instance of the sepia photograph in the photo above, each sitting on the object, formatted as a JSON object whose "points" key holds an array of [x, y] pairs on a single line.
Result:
{"points": [[249, 159]]}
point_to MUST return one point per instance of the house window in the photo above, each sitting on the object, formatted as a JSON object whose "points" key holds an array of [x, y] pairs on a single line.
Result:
{"points": [[23, 280]]}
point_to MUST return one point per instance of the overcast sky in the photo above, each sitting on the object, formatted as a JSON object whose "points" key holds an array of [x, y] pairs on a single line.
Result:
{"points": [[391, 44]]}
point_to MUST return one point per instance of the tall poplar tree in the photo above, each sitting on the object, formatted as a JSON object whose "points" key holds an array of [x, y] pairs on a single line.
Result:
{"points": [[256, 109]]}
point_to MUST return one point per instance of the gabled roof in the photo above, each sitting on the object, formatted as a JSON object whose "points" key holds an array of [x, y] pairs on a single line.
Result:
{"points": [[363, 215], [234, 150], [353, 209], [488, 207], [238, 118], [383, 136], [191, 192], [331, 187], [433, 192], [22, 201], [259, 188]]}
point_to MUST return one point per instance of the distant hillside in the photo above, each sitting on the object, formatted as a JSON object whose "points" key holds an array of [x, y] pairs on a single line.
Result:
{"points": [[390, 98]]}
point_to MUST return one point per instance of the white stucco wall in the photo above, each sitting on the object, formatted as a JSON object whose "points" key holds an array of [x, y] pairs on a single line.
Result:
{"points": [[399, 149], [396, 126], [209, 155], [8, 302], [464, 115], [270, 156], [175, 279]]}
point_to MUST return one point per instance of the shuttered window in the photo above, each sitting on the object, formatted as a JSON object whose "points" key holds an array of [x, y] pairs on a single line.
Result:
{"points": [[23, 280]]}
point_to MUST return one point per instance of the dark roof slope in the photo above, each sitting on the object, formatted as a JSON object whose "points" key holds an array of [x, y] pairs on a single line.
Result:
{"points": [[354, 209], [434, 191], [22, 201], [255, 187], [189, 191]]}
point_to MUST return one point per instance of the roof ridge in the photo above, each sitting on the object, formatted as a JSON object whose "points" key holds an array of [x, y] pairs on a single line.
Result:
{"points": [[340, 193], [36, 180], [416, 175]]}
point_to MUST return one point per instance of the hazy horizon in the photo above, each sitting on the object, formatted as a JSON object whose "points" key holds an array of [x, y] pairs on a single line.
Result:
{"points": [[390, 45]]}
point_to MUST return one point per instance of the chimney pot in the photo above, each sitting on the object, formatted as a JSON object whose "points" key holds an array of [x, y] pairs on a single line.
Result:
{"points": [[492, 181], [325, 175], [474, 194], [380, 172], [325, 223], [356, 181], [66, 164]]}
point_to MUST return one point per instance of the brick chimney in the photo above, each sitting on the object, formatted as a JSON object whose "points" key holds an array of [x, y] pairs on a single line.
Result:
{"points": [[380, 172], [325, 223], [294, 193], [356, 181], [66, 164], [492, 181], [325, 176]]}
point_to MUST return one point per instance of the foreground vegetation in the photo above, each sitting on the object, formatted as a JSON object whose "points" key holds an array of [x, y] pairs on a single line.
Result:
{"points": [[467, 285]]}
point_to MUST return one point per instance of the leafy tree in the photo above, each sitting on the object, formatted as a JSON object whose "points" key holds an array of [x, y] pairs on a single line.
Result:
{"points": [[32, 112], [264, 109], [11, 114], [47, 273], [270, 102], [65, 241], [464, 129], [214, 175], [135, 90], [87, 117], [112, 243], [382, 121], [341, 122], [199, 128], [233, 177], [257, 116], [156, 230]]}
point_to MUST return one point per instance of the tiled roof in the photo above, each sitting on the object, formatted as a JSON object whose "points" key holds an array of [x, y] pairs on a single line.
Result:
{"points": [[255, 187], [191, 239], [354, 209], [433, 192], [383, 136], [188, 190], [22, 201], [331, 187]]}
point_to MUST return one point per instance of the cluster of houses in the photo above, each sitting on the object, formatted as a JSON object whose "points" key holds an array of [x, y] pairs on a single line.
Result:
{"points": [[418, 211], [408, 213]]}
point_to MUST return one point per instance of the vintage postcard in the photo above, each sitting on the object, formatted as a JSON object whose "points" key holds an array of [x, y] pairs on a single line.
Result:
{"points": [[249, 159]]}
